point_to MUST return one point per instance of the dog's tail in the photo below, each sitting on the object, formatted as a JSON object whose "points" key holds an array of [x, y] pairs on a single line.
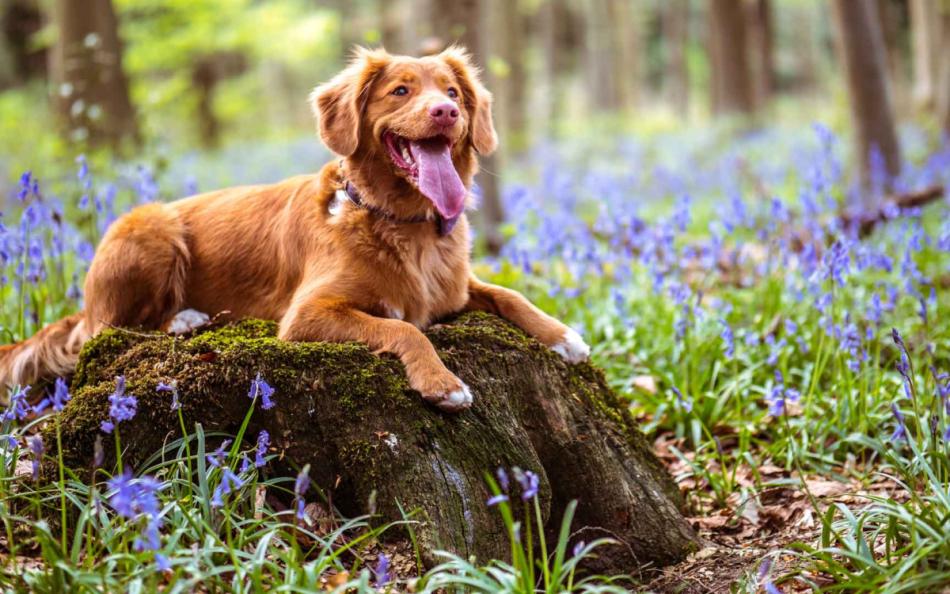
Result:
{"points": [[51, 352]]}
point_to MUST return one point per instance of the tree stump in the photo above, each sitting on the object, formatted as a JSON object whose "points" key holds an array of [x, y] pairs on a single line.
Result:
{"points": [[351, 415]]}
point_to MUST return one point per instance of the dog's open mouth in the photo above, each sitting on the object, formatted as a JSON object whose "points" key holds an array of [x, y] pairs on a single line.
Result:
{"points": [[427, 162]]}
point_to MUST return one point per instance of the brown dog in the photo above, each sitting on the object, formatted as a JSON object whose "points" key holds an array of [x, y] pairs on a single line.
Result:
{"points": [[371, 249]]}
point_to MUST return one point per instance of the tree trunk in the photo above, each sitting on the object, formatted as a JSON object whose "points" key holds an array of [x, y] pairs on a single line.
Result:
{"points": [[20, 59], [460, 21], [729, 58], [862, 47], [607, 91], [91, 92], [942, 95], [559, 37], [351, 415], [761, 41], [675, 39], [509, 85], [925, 40]]}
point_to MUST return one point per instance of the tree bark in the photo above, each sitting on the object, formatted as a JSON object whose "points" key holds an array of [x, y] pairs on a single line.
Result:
{"points": [[351, 415], [90, 91], [761, 41], [862, 47], [942, 97], [675, 39], [609, 37], [559, 40], [925, 43], [729, 57]]}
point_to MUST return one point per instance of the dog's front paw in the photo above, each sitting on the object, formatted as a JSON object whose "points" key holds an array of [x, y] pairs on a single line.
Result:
{"points": [[572, 347], [450, 394]]}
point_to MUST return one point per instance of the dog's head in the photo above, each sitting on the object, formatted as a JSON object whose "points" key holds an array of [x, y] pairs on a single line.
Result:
{"points": [[423, 117]]}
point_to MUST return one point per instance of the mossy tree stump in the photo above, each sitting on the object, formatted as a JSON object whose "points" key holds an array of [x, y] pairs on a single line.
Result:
{"points": [[351, 415]]}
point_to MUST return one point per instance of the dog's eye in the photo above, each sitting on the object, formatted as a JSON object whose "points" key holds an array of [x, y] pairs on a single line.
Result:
{"points": [[452, 93], [400, 90]]}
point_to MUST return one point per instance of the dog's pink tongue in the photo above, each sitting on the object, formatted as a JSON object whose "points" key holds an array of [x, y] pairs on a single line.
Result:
{"points": [[438, 180]]}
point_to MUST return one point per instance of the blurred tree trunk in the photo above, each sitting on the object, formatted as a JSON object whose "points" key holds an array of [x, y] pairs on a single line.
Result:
{"points": [[207, 72], [509, 78], [861, 44], [809, 54], [559, 41], [761, 41], [20, 59], [729, 58], [609, 78], [675, 23], [91, 91], [943, 79], [460, 21], [391, 25], [890, 15], [925, 43]]}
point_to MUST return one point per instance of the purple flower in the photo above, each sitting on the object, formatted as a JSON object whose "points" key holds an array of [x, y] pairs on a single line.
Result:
{"points": [[685, 404], [121, 407], [134, 497], [218, 457], [901, 431], [261, 388], [263, 440], [36, 446], [528, 481], [60, 394], [300, 487], [578, 548], [9, 441], [493, 501], [173, 388], [18, 408], [245, 464], [229, 483], [502, 479], [149, 539], [381, 571], [162, 563], [728, 339]]}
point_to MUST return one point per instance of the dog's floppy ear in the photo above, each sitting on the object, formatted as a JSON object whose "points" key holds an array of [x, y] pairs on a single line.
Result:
{"points": [[476, 97], [338, 104]]}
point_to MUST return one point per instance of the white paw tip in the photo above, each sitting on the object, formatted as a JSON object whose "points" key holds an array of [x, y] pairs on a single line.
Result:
{"points": [[187, 320], [457, 400], [572, 347]]}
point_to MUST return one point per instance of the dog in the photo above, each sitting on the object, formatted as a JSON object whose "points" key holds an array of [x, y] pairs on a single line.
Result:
{"points": [[373, 248]]}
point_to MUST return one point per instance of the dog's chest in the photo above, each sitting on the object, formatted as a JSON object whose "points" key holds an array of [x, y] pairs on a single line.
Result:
{"points": [[428, 285]]}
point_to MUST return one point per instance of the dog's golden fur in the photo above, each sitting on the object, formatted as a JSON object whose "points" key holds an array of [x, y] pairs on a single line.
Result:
{"points": [[325, 268]]}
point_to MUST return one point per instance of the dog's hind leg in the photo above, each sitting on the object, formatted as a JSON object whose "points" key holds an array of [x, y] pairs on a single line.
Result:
{"points": [[137, 279], [138, 276]]}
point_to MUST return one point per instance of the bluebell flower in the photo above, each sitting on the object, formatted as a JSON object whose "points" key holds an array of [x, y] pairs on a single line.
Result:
{"points": [[502, 479], [230, 482], [60, 394], [529, 482], [35, 443], [300, 487], [162, 563], [9, 441], [685, 404], [578, 548], [263, 440], [19, 407], [173, 388], [381, 573], [218, 457], [122, 407], [728, 339], [134, 497], [245, 464], [261, 388], [901, 431], [495, 500]]}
